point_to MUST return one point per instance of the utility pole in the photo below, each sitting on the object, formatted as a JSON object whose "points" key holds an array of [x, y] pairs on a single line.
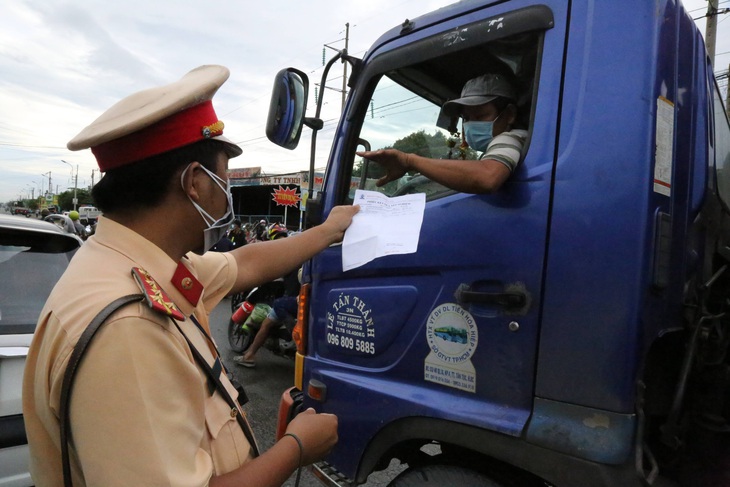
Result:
{"points": [[76, 181], [727, 94], [344, 75], [711, 29], [50, 188]]}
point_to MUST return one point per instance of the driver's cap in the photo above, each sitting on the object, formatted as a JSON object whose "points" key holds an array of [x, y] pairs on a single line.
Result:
{"points": [[478, 91]]}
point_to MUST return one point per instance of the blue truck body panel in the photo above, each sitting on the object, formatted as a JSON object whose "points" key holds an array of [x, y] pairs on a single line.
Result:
{"points": [[597, 228]]}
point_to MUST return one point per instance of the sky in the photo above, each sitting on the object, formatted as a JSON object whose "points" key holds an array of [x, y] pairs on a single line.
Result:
{"points": [[64, 62]]}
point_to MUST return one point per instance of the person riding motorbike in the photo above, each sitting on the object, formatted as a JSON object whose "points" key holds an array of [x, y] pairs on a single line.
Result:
{"points": [[260, 231], [78, 227], [283, 309], [236, 235]]}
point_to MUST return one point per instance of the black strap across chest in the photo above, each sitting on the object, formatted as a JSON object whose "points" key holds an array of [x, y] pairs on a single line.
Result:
{"points": [[74, 361], [213, 374]]}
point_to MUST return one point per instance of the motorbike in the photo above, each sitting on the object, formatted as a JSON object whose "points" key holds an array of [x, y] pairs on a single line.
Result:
{"points": [[247, 315]]}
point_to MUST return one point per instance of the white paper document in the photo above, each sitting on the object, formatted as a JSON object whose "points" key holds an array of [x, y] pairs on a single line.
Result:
{"points": [[383, 226]]}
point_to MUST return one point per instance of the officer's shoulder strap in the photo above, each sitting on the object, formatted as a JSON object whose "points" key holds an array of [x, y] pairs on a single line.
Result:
{"points": [[70, 374], [156, 298]]}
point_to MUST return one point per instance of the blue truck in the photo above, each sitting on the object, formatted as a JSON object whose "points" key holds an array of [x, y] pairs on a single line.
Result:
{"points": [[591, 290]]}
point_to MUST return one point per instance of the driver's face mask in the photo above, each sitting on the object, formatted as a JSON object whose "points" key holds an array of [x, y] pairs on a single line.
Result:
{"points": [[216, 228], [479, 133]]}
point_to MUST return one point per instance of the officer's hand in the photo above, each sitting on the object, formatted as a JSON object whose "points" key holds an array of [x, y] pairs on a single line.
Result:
{"points": [[393, 161], [339, 219], [317, 432]]}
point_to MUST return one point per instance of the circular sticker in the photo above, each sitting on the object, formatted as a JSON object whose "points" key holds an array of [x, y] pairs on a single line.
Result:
{"points": [[452, 333]]}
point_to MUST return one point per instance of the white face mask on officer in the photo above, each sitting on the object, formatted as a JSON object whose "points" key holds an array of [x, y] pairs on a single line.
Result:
{"points": [[216, 228]]}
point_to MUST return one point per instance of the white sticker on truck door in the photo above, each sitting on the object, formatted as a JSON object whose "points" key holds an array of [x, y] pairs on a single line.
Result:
{"points": [[452, 336], [664, 146], [350, 325]]}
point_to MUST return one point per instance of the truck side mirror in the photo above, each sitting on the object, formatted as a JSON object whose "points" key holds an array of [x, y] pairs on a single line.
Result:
{"points": [[287, 108]]}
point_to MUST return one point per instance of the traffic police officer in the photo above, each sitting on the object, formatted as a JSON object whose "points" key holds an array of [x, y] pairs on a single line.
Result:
{"points": [[145, 408]]}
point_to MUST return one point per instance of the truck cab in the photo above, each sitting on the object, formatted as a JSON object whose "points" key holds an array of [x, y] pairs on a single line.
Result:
{"points": [[569, 329], [88, 215]]}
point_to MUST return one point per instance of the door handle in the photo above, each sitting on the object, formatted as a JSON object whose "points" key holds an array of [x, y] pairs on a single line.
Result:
{"points": [[509, 299]]}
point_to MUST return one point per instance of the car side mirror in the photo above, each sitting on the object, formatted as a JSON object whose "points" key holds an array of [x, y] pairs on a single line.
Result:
{"points": [[287, 108]]}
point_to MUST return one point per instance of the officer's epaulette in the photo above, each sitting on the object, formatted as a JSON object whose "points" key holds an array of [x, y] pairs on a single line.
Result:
{"points": [[156, 298]]}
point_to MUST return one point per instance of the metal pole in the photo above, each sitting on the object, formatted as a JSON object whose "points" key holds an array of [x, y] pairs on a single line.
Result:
{"points": [[76, 179], [344, 63], [76, 185], [727, 94]]}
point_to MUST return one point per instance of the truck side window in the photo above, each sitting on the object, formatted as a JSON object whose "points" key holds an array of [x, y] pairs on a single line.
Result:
{"points": [[401, 119], [404, 110]]}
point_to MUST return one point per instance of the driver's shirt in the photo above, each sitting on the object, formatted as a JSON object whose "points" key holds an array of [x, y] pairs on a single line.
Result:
{"points": [[506, 148], [142, 412]]}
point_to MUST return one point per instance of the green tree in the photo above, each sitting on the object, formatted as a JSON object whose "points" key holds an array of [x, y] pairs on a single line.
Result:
{"points": [[65, 199], [418, 143]]}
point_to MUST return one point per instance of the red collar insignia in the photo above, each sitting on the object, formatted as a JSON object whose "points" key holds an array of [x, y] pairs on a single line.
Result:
{"points": [[156, 298], [185, 282]]}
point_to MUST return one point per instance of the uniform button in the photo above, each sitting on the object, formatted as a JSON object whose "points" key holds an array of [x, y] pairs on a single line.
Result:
{"points": [[187, 283], [234, 412]]}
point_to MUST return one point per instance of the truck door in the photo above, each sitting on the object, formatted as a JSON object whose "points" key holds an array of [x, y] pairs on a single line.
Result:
{"points": [[451, 330]]}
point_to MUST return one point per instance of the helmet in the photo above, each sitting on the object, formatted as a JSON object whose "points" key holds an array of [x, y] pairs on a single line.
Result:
{"points": [[73, 215], [277, 231]]}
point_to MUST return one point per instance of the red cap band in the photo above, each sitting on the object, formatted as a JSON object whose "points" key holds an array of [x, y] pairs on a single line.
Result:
{"points": [[190, 125]]}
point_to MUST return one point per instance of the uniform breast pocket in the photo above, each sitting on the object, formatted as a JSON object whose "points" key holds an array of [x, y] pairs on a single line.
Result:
{"points": [[229, 448]]}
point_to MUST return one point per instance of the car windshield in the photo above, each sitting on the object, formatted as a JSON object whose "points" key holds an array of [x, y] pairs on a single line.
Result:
{"points": [[27, 275]]}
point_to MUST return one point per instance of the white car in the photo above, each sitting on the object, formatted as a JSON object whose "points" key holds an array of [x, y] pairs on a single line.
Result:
{"points": [[33, 255]]}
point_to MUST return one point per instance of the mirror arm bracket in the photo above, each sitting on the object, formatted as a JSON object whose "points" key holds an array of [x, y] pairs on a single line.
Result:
{"points": [[314, 123]]}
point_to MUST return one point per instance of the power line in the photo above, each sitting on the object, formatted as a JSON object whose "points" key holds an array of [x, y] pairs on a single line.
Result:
{"points": [[705, 8], [32, 146], [713, 14]]}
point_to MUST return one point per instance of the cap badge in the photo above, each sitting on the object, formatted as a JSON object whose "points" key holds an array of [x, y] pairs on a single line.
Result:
{"points": [[213, 130]]}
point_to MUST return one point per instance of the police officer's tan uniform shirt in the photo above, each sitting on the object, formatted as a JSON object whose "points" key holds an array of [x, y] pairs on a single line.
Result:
{"points": [[141, 410]]}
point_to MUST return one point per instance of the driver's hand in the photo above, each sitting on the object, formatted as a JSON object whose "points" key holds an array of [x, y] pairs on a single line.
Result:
{"points": [[393, 161]]}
